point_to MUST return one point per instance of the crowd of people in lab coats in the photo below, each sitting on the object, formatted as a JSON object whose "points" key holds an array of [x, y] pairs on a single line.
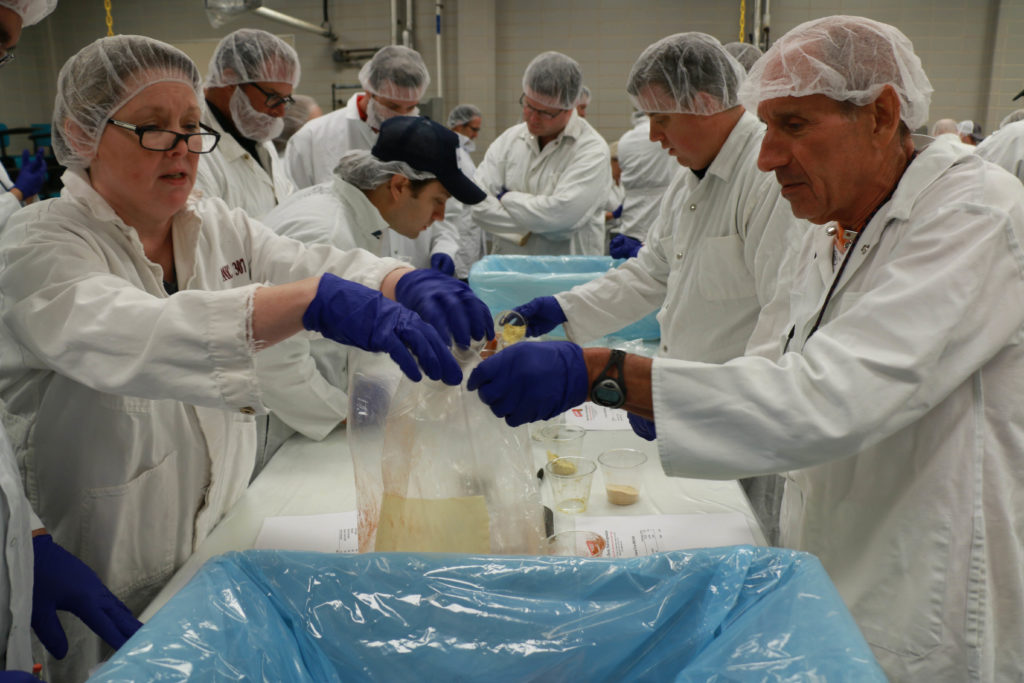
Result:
{"points": [[841, 307]]}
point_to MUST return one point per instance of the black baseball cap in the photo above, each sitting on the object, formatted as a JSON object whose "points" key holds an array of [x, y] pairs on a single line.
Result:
{"points": [[427, 146]]}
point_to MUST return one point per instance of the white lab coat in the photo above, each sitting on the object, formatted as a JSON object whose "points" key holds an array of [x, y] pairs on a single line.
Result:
{"points": [[131, 411], [16, 561], [1005, 147], [710, 262], [647, 170], [904, 412], [315, 148], [8, 202], [457, 235], [556, 194], [230, 172]]}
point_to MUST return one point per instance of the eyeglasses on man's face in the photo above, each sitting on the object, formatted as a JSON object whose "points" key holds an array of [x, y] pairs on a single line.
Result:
{"points": [[539, 112], [160, 140], [8, 56], [274, 99]]}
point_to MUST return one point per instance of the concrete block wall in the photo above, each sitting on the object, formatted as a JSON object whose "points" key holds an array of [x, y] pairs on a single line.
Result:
{"points": [[970, 48]]}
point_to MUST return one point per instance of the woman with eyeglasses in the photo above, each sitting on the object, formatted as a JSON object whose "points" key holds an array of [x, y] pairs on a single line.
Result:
{"points": [[132, 311], [248, 89]]}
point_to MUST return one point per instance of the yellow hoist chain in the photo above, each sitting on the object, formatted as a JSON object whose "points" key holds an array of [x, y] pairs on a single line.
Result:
{"points": [[743, 18], [110, 19]]}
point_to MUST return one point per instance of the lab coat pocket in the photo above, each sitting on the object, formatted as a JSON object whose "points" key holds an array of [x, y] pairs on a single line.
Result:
{"points": [[130, 532], [722, 273]]}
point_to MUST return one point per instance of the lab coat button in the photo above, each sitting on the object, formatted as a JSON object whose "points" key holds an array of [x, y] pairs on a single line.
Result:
{"points": [[664, 347], [693, 207], [248, 410], [14, 541], [679, 255]]}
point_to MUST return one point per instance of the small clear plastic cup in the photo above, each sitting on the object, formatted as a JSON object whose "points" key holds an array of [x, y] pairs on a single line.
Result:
{"points": [[570, 480], [623, 474], [509, 328]]}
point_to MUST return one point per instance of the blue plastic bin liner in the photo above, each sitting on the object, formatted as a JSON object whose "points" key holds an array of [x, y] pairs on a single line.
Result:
{"points": [[504, 282], [721, 614]]}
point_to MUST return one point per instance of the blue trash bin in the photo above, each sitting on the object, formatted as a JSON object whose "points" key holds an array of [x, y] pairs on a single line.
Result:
{"points": [[506, 281], [732, 614]]}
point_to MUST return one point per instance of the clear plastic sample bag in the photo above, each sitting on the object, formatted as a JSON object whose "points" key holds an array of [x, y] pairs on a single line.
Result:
{"points": [[435, 470]]}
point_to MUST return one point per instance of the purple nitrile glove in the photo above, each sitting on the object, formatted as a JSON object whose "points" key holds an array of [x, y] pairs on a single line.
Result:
{"points": [[542, 315], [352, 314], [642, 427], [531, 381], [501, 193], [61, 581], [32, 174], [446, 303], [17, 677], [624, 246], [617, 213], [442, 262]]}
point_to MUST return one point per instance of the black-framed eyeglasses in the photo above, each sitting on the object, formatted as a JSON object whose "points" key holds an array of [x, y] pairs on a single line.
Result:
{"points": [[160, 140], [539, 112], [8, 56], [274, 99]]}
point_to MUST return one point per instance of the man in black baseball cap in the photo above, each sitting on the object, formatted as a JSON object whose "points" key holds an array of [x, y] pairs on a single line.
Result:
{"points": [[380, 199]]}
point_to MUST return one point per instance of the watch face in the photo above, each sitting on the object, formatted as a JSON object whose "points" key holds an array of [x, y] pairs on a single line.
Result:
{"points": [[608, 393]]}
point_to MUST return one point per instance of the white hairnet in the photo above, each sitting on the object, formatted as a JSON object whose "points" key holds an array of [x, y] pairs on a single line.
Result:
{"points": [[463, 114], [848, 59], [1015, 115], [584, 96], [686, 73], [30, 11], [360, 168], [745, 53], [553, 80], [100, 79], [249, 55], [397, 73]]}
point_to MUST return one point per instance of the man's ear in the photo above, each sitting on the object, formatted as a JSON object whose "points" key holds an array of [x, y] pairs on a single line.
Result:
{"points": [[886, 111], [398, 184]]}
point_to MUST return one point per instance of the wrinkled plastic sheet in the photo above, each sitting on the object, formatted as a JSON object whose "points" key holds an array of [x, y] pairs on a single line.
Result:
{"points": [[506, 281], [721, 614]]}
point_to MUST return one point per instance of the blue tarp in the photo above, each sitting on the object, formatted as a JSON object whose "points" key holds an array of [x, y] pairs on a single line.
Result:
{"points": [[506, 281], [721, 614]]}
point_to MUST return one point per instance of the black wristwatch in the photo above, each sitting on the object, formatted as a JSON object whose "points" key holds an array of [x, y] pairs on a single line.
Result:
{"points": [[610, 392]]}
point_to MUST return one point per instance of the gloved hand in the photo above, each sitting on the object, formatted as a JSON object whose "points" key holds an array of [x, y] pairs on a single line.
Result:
{"points": [[447, 304], [642, 427], [442, 262], [352, 314], [624, 246], [32, 175], [63, 582], [617, 213], [542, 315], [501, 193], [17, 677], [531, 381]]}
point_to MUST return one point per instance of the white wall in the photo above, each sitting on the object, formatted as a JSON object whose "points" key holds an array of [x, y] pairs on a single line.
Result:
{"points": [[971, 49]]}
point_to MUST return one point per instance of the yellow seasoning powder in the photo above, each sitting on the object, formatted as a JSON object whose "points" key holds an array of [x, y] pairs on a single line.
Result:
{"points": [[510, 334], [621, 494], [563, 467]]}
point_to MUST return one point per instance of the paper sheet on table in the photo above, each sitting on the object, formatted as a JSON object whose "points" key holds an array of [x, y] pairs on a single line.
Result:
{"points": [[330, 533], [637, 535], [595, 417]]}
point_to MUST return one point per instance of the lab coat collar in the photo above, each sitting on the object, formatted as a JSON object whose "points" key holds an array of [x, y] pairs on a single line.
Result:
{"points": [[228, 147], [726, 163], [573, 130], [367, 217]]}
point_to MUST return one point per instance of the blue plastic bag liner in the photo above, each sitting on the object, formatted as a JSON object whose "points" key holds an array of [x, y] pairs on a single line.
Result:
{"points": [[507, 281], [721, 614]]}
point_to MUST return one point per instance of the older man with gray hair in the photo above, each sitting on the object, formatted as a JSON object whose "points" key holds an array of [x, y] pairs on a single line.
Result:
{"points": [[885, 376], [547, 177]]}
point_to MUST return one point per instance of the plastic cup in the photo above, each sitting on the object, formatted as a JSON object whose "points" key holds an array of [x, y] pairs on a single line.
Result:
{"points": [[537, 427], [570, 480], [509, 328], [623, 474], [562, 440], [575, 544]]}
